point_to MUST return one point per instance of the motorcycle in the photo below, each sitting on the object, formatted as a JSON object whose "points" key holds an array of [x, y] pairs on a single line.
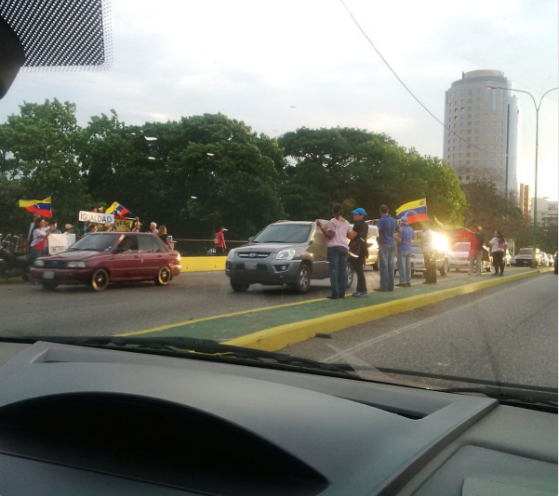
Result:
{"points": [[12, 265]]}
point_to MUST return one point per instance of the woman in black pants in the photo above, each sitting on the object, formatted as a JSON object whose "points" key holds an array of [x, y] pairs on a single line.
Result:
{"points": [[498, 249]]}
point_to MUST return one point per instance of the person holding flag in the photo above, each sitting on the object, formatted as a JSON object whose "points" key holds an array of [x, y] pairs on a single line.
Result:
{"points": [[40, 238], [414, 211]]}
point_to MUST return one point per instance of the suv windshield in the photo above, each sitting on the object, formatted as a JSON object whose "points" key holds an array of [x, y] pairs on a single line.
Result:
{"points": [[284, 233], [96, 242]]}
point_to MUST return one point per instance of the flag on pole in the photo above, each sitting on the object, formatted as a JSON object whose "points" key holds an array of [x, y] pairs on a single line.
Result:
{"points": [[415, 211], [118, 209], [42, 207]]}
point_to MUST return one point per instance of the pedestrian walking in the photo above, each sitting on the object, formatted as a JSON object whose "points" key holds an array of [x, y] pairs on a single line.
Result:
{"points": [[498, 248], [476, 251], [219, 242], [358, 250], [337, 231], [386, 228], [429, 257], [40, 238], [165, 237], [404, 239]]}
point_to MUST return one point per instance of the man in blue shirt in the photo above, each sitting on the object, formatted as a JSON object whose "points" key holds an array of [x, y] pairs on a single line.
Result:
{"points": [[386, 228], [404, 238]]}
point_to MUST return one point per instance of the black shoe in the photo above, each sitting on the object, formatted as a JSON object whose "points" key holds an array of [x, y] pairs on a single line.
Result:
{"points": [[403, 285], [380, 289], [332, 297]]}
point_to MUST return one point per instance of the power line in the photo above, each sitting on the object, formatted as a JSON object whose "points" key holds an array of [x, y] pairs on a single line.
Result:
{"points": [[406, 88]]}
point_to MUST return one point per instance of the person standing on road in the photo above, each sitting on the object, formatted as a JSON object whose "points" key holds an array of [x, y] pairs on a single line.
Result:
{"points": [[404, 238], [476, 251], [358, 250], [386, 228], [429, 257], [40, 238], [498, 249], [165, 237], [219, 242], [35, 217], [337, 230]]}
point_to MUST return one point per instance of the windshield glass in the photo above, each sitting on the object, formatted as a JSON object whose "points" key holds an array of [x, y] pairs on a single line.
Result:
{"points": [[284, 233], [215, 137], [97, 242]]}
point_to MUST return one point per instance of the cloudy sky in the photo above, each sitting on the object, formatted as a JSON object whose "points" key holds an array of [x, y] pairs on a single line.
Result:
{"points": [[283, 64]]}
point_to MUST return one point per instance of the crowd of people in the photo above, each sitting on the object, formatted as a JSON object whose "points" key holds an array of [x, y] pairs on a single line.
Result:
{"points": [[348, 244]]}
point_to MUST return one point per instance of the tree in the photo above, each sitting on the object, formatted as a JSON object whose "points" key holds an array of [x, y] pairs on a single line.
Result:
{"points": [[360, 168], [40, 157]]}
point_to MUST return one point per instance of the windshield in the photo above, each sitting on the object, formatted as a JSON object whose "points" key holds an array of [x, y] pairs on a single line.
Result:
{"points": [[96, 242], [208, 141], [284, 233]]}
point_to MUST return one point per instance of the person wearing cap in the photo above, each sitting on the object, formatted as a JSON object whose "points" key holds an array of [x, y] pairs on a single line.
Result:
{"points": [[404, 237], [358, 250], [68, 229], [219, 242]]}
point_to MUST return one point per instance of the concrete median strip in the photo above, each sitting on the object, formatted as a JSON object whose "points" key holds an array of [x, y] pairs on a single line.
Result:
{"points": [[274, 327], [289, 334]]}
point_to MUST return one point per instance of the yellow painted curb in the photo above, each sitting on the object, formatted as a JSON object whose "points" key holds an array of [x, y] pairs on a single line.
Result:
{"points": [[202, 264], [281, 336]]}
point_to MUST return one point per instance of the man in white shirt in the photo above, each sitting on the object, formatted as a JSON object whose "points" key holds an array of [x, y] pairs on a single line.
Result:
{"points": [[337, 232], [153, 228]]}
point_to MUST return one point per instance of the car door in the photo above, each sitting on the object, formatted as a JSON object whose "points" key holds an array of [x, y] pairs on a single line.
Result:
{"points": [[152, 256], [318, 250], [126, 265]]}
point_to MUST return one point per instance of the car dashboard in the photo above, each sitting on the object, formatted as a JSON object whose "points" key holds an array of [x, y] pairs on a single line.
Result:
{"points": [[85, 421]]}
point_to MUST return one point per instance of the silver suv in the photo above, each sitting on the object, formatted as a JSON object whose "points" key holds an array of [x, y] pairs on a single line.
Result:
{"points": [[285, 252]]}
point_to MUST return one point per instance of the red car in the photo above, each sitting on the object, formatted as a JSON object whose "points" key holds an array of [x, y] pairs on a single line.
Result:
{"points": [[101, 258]]}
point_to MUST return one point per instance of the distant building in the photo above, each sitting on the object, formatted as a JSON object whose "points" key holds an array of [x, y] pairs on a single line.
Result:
{"points": [[525, 201], [483, 141], [547, 212]]}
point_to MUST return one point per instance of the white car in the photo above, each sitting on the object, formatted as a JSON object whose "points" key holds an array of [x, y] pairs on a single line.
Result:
{"points": [[458, 257]]}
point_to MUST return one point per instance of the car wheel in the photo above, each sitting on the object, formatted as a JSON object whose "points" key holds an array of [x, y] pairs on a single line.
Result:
{"points": [[444, 268], [239, 287], [50, 286], [350, 276], [99, 280], [303, 280], [163, 277]]}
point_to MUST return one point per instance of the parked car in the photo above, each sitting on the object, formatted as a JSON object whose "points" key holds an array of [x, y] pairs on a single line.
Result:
{"points": [[525, 255], [102, 258], [459, 257], [508, 259], [285, 252], [417, 260], [372, 247]]}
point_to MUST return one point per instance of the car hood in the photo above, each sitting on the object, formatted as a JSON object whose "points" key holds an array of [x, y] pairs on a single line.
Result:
{"points": [[73, 255], [271, 247]]}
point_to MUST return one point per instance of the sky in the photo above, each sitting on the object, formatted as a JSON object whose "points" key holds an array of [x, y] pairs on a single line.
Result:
{"points": [[282, 65]]}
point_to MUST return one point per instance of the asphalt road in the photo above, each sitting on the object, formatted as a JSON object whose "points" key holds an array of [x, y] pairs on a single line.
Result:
{"points": [[27, 309], [507, 333]]}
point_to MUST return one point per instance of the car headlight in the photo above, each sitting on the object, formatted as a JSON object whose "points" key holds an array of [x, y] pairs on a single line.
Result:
{"points": [[39, 263], [285, 255], [231, 255], [76, 265]]}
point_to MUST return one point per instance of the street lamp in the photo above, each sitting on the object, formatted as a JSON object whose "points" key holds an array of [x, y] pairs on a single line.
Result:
{"points": [[537, 107]]}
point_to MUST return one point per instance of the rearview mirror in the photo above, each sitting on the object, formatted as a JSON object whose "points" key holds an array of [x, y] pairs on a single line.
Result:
{"points": [[12, 57]]}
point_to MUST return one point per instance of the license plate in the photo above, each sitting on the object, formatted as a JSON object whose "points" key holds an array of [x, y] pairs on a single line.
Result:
{"points": [[250, 265], [49, 274]]}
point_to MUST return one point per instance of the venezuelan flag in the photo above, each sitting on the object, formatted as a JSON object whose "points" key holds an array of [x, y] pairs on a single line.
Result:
{"points": [[118, 209], [42, 207], [415, 211]]}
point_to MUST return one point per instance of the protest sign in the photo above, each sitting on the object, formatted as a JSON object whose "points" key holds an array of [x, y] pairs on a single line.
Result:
{"points": [[96, 218], [57, 243], [123, 225]]}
